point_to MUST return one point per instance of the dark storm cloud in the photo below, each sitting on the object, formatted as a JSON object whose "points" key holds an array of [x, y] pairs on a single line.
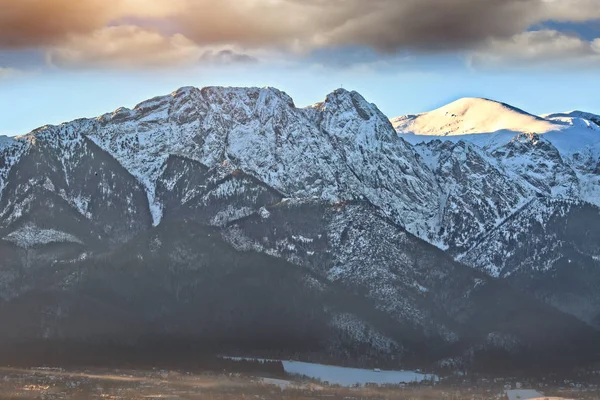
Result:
{"points": [[384, 25], [389, 26]]}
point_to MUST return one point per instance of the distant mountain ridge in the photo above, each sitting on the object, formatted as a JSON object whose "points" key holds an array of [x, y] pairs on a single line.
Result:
{"points": [[133, 216], [547, 173]]}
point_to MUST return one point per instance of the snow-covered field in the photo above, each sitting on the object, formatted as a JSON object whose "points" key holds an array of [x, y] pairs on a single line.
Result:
{"points": [[347, 376]]}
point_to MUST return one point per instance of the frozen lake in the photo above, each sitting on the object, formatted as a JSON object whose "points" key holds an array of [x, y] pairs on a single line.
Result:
{"points": [[351, 376], [523, 394], [347, 376]]}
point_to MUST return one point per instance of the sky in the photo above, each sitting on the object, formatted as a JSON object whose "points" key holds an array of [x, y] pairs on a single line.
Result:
{"points": [[64, 59]]}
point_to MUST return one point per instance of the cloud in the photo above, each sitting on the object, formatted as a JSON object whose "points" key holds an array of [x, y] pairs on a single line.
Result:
{"points": [[226, 57], [40, 22], [429, 25], [34, 23], [569, 10], [66, 27], [546, 48], [124, 47], [383, 25], [131, 47], [6, 73]]}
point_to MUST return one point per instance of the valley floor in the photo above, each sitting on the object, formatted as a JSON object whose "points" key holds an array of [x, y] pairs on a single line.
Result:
{"points": [[58, 383]]}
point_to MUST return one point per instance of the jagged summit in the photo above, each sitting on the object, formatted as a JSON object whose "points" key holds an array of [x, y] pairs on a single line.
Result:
{"points": [[340, 93], [345, 100], [471, 116], [343, 149]]}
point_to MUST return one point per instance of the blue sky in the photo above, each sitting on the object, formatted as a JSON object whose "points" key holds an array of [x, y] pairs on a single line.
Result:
{"points": [[29, 102], [545, 58]]}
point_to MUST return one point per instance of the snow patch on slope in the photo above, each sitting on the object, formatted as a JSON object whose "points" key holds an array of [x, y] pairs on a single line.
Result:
{"points": [[31, 235], [361, 332]]}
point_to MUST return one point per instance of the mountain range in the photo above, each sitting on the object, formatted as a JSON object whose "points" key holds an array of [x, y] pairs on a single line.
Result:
{"points": [[229, 217]]}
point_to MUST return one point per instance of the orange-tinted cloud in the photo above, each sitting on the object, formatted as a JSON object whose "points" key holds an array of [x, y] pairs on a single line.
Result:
{"points": [[33, 23], [129, 47], [124, 47], [25, 23]]}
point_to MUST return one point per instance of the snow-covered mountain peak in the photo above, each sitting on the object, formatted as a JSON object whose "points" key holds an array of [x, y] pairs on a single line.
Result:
{"points": [[342, 149], [346, 114], [471, 116], [345, 100], [354, 100], [189, 103], [340, 95], [575, 114]]}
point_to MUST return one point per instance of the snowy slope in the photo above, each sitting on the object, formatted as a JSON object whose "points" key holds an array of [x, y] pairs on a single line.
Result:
{"points": [[479, 192], [550, 248], [11, 151], [574, 115], [65, 182], [5, 141]]}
